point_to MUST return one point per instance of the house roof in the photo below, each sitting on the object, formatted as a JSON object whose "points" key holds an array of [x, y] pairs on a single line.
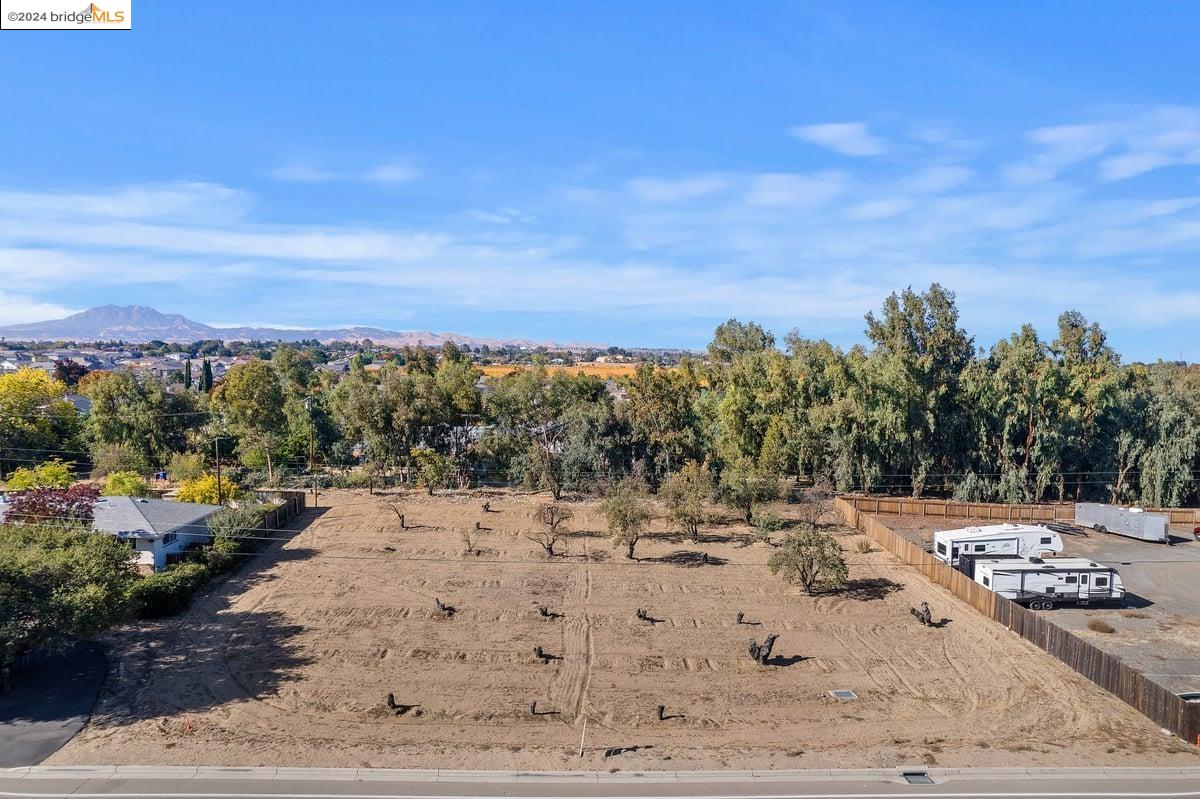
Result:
{"points": [[136, 517]]}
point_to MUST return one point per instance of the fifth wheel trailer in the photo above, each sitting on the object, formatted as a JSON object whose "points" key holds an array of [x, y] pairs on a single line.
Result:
{"points": [[1042, 583], [995, 540], [1131, 522]]}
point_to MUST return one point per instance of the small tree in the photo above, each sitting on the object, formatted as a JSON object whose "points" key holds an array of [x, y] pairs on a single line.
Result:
{"points": [[62, 507], [743, 485], [185, 466], [685, 494], [810, 559], [204, 489], [818, 501], [109, 458], [51, 474], [553, 517], [125, 484], [434, 470], [627, 514]]}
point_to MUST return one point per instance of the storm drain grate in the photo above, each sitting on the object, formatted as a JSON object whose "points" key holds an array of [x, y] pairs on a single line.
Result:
{"points": [[842, 693], [917, 778]]}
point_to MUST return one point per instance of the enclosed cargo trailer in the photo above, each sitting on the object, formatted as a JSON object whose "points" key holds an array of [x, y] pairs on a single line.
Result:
{"points": [[1130, 522]]}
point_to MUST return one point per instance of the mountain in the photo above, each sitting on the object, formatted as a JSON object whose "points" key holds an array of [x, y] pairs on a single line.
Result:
{"points": [[137, 323]]}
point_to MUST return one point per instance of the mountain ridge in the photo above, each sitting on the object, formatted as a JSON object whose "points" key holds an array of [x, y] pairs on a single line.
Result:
{"points": [[138, 324]]}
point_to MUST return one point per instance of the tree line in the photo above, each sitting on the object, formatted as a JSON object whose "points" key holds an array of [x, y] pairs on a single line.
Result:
{"points": [[918, 409]]}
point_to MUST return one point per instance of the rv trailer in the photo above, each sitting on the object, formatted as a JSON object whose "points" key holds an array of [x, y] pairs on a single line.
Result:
{"points": [[1043, 583], [1130, 522], [994, 540]]}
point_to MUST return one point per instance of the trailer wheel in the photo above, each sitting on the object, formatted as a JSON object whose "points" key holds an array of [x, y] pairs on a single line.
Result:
{"points": [[1035, 605], [1048, 604], [1100, 528]]}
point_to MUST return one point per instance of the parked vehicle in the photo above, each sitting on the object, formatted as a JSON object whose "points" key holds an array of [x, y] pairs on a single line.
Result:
{"points": [[995, 540], [1043, 583], [1130, 522]]}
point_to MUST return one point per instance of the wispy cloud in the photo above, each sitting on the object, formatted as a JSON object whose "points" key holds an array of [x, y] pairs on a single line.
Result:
{"points": [[801, 191], [659, 190], [389, 172], [847, 138], [16, 309]]}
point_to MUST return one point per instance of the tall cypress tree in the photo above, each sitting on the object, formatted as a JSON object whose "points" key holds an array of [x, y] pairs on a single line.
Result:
{"points": [[187, 373], [206, 378]]}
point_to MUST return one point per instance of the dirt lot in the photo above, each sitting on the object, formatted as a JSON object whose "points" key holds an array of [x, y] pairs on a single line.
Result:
{"points": [[289, 661], [1157, 627]]}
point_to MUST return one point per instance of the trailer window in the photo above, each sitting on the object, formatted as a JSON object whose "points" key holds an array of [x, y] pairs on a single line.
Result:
{"points": [[987, 581], [1101, 582], [1046, 539], [980, 547], [941, 547], [1049, 589], [1072, 578]]}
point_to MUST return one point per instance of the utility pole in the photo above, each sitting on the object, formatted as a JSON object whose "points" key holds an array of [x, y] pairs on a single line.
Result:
{"points": [[312, 444]]}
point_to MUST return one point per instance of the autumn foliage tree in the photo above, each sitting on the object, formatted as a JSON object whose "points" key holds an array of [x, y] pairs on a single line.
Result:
{"points": [[54, 506]]}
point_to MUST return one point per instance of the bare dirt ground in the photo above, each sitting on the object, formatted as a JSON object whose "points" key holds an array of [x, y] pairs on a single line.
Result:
{"points": [[289, 661], [1157, 628]]}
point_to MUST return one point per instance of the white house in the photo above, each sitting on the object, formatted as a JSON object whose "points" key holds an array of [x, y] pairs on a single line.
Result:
{"points": [[155, 528]]}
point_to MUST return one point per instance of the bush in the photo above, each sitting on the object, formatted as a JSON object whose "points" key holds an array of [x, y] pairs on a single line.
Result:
{"points": [[864, 545], [186, 466], [767, 522], [125, 484], [167, 592], [51, 474], [109, 458], [204, 489], [1096, 625]]}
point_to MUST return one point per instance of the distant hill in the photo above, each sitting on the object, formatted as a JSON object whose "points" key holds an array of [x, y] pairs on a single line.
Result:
{"points": [[139, 324]]}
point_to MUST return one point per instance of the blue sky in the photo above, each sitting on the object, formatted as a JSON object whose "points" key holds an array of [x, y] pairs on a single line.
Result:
{"points": [[628, 173]]}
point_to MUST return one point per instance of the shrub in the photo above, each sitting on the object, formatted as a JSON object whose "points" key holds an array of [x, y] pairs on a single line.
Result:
{"points": [[167, 592], [767, 522], [204, 489], [109, 458], [864, 545], [60, 507], [51, 474], [186, 466], [1099, 626], [810, 559], [125, 484]]}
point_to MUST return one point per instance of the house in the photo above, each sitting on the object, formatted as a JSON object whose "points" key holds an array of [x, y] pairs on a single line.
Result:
{"points": [[158, 530]]}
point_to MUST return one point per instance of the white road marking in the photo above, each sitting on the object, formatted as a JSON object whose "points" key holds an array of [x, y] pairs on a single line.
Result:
{"points": [[957, 795]]}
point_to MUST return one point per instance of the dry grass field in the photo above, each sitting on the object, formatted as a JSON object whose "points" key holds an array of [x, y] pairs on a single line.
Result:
{"points": [[601, 370], [289, 661]]}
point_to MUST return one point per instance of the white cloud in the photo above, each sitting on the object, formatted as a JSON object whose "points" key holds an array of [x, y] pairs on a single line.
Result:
{"points": [[936, 179], [847, 138], [802, 191], [389, 172], [16, 309], [878, 209], [660, 190], [393, 172]]}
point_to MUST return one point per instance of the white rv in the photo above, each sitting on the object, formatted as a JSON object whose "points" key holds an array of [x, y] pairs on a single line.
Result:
{"points": [[995, 541], [1042, 583]]}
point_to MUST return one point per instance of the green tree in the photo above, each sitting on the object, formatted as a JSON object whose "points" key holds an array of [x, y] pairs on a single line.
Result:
{"points": [[252, 399], [206, 377], [51, 474], [686, 494], [744, 485], [58, 583], [627, 514], [126, 484], [811, 560]]}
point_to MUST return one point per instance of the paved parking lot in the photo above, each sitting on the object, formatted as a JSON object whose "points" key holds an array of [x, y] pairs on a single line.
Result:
{"points": [[1157, 628]]}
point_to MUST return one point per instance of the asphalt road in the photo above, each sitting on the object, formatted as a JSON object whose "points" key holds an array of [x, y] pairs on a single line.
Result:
{"points": [[104, 782], [49, 704]]}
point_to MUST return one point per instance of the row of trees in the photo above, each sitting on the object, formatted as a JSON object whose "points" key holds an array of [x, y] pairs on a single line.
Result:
{"points": [[919, 409]]}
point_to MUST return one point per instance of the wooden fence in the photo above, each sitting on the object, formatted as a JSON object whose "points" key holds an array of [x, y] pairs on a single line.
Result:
{"points": [[1106, 670], [291, 504], [993, 511]]}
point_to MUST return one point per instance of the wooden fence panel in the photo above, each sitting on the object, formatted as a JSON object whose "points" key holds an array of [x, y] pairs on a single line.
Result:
{"points": [[1102, 668], [994, 511]]}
